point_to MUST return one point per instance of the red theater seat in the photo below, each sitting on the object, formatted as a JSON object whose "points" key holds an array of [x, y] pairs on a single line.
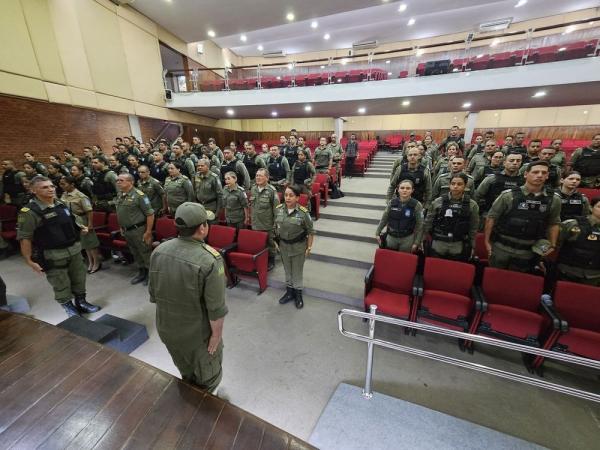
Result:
{"points": [[315, 200], [505, 59], [545, 54], [8, 222], [315, 79], [480, 63], [480, 250], [165, 229], [250, 257], [107, 233], [323, 182]]}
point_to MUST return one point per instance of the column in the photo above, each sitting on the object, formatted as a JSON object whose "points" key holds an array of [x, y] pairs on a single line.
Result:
{"points": [[134, 127], [339, 128], [470, 124]]}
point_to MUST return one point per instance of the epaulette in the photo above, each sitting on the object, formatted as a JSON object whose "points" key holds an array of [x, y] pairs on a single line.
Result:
{"points": [[241, 188], [302, 208], [212, 251], [24, 209], [140, 192], [272, 187], [280, 205]]}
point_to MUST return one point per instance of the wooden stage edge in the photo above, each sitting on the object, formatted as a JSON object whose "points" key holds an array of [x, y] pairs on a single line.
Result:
{"points": [[59, 390]]}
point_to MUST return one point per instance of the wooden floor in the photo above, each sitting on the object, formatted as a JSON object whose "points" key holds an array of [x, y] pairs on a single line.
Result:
{"points": [[58, 390]]}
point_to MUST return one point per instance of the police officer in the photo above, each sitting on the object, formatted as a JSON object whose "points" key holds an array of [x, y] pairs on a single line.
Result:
{"points": [[152, 188], [133, 167], [412, 169], [323, 157], [302, 146], [264, 152], [12, 187], [533, 151], [290, 150], [38, 166], [207, 187], [178, 189], [442, 185], [104, 188], [518, 145], [187, 284], [521, 216], [403, 217], [453, 137], [482, 159], [302, 175], [187, 165], [338, 153], [235, 203], [136, 219], [252, 161], [560, 158], [586, 161], [579, 257], [49, 239], [279, 169], [213, 149], [159, 169], [264, 200], [494, 167], [554, 173], [351, 155], [232, 164], [83, 182], [294, 231], [453, 222], [196, 147], [442, 165], [572, 202]]}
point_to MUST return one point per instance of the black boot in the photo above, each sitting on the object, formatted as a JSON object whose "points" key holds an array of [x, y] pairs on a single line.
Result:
{"points": [[271, 263], [145, 282], [70, 309], [85, 307], [299, 301], [288, 297], [141, 276]]}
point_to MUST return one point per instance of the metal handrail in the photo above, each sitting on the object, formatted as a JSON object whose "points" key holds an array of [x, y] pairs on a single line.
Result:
{"points": [[372, 317]]}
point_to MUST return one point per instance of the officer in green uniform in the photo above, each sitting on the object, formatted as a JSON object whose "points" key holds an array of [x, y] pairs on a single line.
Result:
{"points": [[207, 187], [482, 159], [178, 189], [235, 203], [49, 237], [442, 165], [453, 222], [302, 175], [187, 284], [323, 157], [104, 188], [279, 169], [560, 158], [403, 217], [294, 231], [232, 164], [152, 188], [518, 218], [586, 161], [494, 167], [213, 149], [572, 202], [136, 219], [264, 200], [442, 185], [554, 173], [38, 166], [188, 167], [12, 187], [252, 161], [338, 154], [411, 169], [579, 257], [398, 162], [302, 146]]}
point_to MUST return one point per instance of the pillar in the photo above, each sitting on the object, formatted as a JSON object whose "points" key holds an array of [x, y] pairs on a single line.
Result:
{"points": [[339, 128], [134, 127], [470, 124]]}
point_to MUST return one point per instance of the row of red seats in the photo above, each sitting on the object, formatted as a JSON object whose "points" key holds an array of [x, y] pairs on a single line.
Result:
{"points": [[445, 295], [8, 222]]}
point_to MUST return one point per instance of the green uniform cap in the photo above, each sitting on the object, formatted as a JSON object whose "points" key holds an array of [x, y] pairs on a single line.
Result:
{"points": [[190, 215]]}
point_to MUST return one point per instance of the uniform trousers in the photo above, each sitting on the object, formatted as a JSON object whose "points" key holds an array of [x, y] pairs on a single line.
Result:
{"points": [[138, 248], [401, 244], [506, 258], [293, 256], [67, 277], [448, 250], [197, 366]]}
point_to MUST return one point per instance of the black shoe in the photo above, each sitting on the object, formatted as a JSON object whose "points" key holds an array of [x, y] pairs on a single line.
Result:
{"points": [[145, 282], [85, 307], [141, 276], [71, 309], [288, 297], [299, 301], [271, 263]]}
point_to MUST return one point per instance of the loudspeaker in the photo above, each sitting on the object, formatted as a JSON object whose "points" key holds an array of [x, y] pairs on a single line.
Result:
{"points": [[168, 94], [437, 67]]}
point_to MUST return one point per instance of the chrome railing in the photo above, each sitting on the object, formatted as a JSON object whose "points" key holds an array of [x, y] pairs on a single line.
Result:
{"points": [[371, 341]]}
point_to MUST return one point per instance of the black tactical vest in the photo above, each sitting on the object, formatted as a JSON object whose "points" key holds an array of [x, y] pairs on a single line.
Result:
{"points": [[417, 177], [251, 166], [10, 184], [276, 169], [501, 183], [300, 173], [584, 252], [402, 218], [454, 226], [571, 206], [102, 189], [58, 229], [159, 172], [291, 154], [527, 218], [231, 166], [588, 164]]}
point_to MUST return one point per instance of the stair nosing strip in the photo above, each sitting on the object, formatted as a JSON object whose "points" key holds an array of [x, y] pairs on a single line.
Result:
{"points": [[352, 219], [348, 237]]}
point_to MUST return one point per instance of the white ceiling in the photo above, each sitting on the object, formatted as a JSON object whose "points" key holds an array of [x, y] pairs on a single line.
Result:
{"points": [[347, 21]]}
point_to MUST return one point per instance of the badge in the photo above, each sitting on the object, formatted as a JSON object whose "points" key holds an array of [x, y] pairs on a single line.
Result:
{"points": [[146, 201], [592, 237], [574, 202], [543, 208], [407, 213], [448, 213], [523, 205]]}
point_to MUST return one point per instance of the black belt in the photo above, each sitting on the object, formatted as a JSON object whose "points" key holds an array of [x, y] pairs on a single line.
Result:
{"points": [[399, 235], [297, 239], [133, 227], [445, 238], [511, 244]]}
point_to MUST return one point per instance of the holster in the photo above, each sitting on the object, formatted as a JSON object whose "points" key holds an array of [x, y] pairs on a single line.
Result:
{"points": [[383, 237], [37, 256]]}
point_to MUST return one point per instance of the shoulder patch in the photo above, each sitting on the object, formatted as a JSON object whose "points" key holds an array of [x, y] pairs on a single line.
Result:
{"points": [[280, 205], [212, 251], [140, 192], [24, 209], [302, 208], [241, 188]]}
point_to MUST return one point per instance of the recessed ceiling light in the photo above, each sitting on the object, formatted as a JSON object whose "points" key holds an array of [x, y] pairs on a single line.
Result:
{"points": [[479, 56], [406, 103], [402, 7], [274, 113], [539, 94], [454, 117], [308, 108], [570, 29], [562, 49], [495, 114], [211, 33], [411, 21], [466, 105], [290, 17], [314, 24], [387, 61], [586, 111], [521, 3], [420, 52], [243, 38], [389, 74], [260, 48], [326, 37], [362, 110], [230, 112], [322, 67]]}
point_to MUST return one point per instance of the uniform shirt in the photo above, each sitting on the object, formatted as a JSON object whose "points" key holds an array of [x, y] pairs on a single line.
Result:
{"points": [[208, 191], [337, 151], [154, 191], [418, 233], [290, 225], [178, 190], [590, 181], [442, 185], [323, 156], [426, 180], [78, 203], [234, 202], [132, 208], [436, 205], [478, 160], [560, 159], [264, 201], [568, 232], [309, 169]]}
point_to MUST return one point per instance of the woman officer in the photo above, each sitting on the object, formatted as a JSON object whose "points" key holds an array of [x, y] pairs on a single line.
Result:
{"points": [[294, 233], [403, 217]]}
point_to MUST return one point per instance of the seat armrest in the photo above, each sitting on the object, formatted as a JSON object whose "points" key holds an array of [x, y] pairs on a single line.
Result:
{"points": [[369, 278], [228, 248], [114, 234], [557, 322], [100, 227], [255, 257], [418, 286], [479, 298]]}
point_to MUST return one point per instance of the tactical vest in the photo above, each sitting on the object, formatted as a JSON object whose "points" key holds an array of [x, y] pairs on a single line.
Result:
{"points": [[184, 168], [159, 172], [10, 184], [276, 169], [489, 170], [417, 177], [57, 230], [584, 252], [571, 206], [251, 166], [527, 217], [402, 218], [291, 154], [501, 183], [454, 226], [231, 166], [553, 176], [102, 189], [588, 164], [300, 173]]}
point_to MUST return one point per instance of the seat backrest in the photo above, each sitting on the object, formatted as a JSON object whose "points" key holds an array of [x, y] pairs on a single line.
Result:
{"points": [[165, 228], [251, 241], [394, 271], [516, 289], [98, 218], [578, 304], [112, 222], [448, 276], [303, 200], [8, 212], [315, 188], [321, 178], [220, 236], [480, 250]]}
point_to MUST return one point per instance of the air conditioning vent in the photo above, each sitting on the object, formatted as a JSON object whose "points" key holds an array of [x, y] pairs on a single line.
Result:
{"points": [[364, 45], [279, 54], [495, 25]]}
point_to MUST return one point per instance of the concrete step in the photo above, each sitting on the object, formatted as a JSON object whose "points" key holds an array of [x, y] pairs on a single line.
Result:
{"points": [[376, 175], [339, 252], [352, 211], [381, 165], [378, 170], [356, 203], [364, 195], [365, 185], [362, 231], [353, 218]]}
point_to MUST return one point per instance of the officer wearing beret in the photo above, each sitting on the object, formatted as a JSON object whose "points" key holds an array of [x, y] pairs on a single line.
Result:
{"points": [[49, 237], [136, 219], [187, 284]]}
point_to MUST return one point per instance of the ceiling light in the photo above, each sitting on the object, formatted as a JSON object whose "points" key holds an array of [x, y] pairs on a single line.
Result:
{"points": [[495, 114], [211, 33], [411, 21], [322, 67], [495, 42], [466, 105], [290, 17], [260, 48], [230, 112], [362, 110], [243, 38], [479, 56], [326, 37], [388, 61], [539, 94], [406, 103], [289, 66], [402, 7], [344, 61], [314, 24], [389, 74], [521, 3], [278, 77], [562, 49], [420, 51], [570, 29], [586, 111], [274, 113], [308, 108]]}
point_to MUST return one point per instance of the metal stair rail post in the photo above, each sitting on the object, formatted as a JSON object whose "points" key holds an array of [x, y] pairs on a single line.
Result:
{"points": [[371, 341]]}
